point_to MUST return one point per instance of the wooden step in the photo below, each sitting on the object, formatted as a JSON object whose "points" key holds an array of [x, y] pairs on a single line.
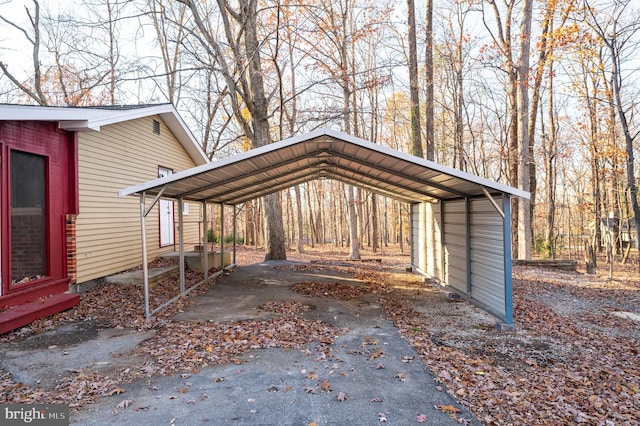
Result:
{"points": [[24, 314]]}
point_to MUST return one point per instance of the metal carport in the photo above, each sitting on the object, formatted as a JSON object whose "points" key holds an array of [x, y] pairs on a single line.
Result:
{"points": [[460, 226]]}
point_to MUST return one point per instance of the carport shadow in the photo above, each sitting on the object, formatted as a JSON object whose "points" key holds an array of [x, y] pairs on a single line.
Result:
{"points": [[367, 376]]}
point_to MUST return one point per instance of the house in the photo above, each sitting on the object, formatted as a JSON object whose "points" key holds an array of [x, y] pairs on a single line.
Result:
{"points": [[62, 223]]}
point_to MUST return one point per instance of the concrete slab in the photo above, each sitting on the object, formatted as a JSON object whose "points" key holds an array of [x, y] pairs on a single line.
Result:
{"points": [[194, 259], [380, 374], [45, 358], [156, 275]]}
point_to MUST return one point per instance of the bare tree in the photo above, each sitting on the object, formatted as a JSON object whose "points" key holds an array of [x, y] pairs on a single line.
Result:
{"points": [[429, 101], [615, 30], [416, 133], [245, 83], [33, 37]]}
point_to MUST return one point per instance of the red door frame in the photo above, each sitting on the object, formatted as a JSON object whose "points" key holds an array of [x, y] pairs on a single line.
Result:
{"points": [[59, 148]]}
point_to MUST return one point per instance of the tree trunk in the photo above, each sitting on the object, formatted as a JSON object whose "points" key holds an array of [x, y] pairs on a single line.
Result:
{"points": [[524, 212], [414, 99], [429, 127]]}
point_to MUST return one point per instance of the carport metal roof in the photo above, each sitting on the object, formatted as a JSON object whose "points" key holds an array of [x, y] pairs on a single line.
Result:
{"points": [[323, 153]]}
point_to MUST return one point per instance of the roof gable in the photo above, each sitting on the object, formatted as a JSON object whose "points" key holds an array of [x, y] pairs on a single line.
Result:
{"points": [[87, 119], [323, 153]]}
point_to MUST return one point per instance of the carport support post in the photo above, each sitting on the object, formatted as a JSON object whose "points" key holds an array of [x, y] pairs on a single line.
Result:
{"points": [[508, 285], [235, 231], [467, 213], [222, 236], [181, 243], [205, 241], [145, 268]]}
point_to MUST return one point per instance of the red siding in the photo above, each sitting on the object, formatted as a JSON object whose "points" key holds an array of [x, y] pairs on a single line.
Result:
{"points": [[59, 147]]}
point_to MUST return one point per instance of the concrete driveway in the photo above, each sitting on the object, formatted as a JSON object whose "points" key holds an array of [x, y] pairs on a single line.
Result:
{"points": [[372, 375]]}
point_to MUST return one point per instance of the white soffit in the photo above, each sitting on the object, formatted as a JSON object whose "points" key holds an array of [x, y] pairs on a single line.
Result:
{"points": [[323, 153]]}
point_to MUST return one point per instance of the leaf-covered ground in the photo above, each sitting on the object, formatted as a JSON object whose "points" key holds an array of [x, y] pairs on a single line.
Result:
{"points": [[573, 358]]}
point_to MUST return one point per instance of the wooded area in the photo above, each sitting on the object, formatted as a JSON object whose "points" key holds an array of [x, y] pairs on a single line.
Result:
{"points": [[539, 95]]}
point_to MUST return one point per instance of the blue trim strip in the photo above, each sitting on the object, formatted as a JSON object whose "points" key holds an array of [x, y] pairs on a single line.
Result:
{"points": [[508, 285], [467, 214]]}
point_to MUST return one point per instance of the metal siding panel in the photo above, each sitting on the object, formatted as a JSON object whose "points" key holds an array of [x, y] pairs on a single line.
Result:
{"points": [[437, 242], [431, 248], [422, 234], [415, 241], [487, 257], [455, 241]]}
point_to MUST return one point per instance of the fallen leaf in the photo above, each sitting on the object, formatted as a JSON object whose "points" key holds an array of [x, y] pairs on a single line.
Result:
{"points": [[375, 400], [310, 390], [326, 386], [382, 417], [378, 353], [341, 396], [313, 423], [183, 390], [421, 418], [124, 404], [115, 391], [447, 408], [380, 366]]}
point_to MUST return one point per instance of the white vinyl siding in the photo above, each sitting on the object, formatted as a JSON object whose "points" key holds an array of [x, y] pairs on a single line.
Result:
{"points": [[108, 226]]}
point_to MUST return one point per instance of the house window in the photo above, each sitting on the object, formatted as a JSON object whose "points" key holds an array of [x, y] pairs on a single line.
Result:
{"points": [[156, 127], [28, 186]]}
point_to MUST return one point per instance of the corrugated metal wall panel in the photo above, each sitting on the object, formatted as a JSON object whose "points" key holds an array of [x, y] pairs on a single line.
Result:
{"points": [[455, 241], [438, 255], [416, 242], [487, 257], [429, 240], [463, 256]]}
